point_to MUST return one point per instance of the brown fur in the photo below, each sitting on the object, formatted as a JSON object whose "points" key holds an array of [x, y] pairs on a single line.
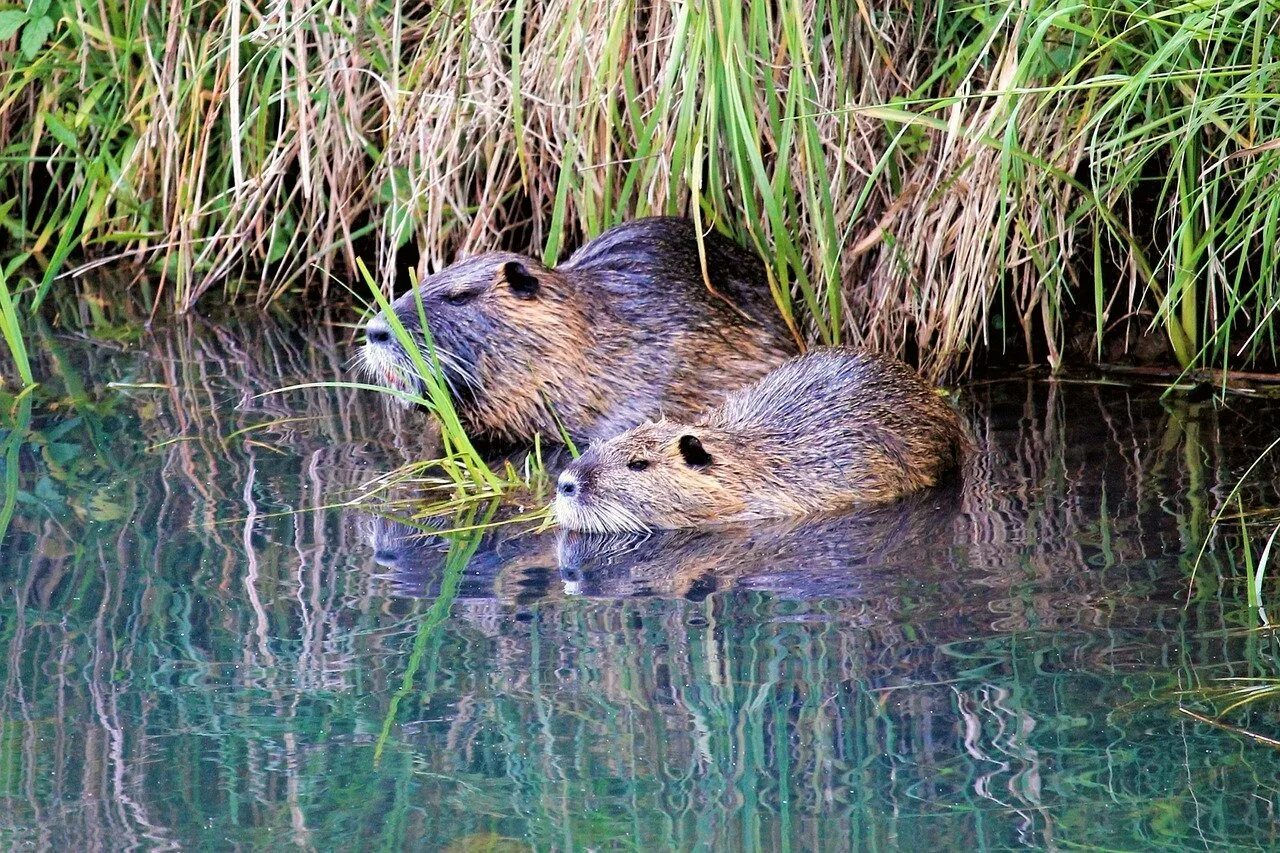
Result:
{"points": [[830, 429], [626, 330]]}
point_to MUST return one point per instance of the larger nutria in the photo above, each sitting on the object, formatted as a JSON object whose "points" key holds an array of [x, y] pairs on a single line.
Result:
{"points": [[624, 331], [828, 430]]}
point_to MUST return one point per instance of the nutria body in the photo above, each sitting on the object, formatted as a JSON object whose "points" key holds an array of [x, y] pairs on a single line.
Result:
{"points": [[624, 331], [830, 429]]}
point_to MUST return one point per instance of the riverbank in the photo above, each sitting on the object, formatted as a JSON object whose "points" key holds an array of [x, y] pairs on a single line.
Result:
{"points": [[959, 184]]}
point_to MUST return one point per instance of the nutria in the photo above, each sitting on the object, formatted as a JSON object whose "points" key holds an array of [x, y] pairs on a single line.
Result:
{"points": [[827, 430], [624, 331]]}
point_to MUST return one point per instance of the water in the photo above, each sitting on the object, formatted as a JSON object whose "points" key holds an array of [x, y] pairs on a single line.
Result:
{"points": [[204, 648]]}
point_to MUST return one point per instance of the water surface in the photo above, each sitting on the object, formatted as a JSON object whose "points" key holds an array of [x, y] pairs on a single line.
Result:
{"points": [[205, 647]]}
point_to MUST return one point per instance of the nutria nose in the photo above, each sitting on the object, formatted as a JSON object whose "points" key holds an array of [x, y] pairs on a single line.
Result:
{"points": [[567, 486], [378, 334]]}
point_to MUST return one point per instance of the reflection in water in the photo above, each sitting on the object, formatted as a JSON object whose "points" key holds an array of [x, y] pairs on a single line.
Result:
{"points": [[823, 557], [202, 648]]}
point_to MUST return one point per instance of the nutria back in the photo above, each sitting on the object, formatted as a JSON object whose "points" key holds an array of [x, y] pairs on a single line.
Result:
{"points": [[831, 429], [624, 331], [649, 265]]}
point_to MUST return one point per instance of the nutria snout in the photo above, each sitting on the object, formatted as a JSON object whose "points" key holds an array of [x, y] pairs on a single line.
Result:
{"points": [[624, 330], [828, 430]]}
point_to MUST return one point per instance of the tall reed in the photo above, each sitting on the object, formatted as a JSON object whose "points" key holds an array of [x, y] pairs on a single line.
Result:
{"points": [[941, 180]]}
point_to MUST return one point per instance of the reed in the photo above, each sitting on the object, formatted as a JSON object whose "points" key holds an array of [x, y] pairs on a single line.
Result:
{"points": [[948, 181], [11, 328]]}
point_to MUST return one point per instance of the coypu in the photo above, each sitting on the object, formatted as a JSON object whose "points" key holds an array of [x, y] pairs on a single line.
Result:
{"points": [[830, 429], [623, 331]]}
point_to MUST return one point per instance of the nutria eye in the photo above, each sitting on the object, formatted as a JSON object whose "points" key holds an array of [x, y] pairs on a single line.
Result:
{"points": [[460, 297], [638, 464]]}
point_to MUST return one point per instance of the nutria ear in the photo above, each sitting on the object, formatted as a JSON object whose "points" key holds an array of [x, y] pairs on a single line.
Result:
{"points": [[695, 455], [522, 282]]}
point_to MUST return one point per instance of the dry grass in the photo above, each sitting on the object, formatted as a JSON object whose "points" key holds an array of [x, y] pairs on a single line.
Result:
{"points": [[938, 180]]}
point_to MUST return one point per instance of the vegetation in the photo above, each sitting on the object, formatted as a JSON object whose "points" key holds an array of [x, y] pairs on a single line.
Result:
{"points": [[946, 180]]}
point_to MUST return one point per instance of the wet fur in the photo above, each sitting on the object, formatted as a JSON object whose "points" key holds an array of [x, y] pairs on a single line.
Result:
{"points": [[624, 331], [831, 429]]}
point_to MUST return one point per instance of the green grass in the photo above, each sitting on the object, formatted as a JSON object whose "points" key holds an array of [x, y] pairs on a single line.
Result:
{"points": [[11, 327], [949, 181]]}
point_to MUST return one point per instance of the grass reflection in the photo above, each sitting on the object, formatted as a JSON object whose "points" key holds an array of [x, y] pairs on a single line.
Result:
{"points": [[201, 650]]}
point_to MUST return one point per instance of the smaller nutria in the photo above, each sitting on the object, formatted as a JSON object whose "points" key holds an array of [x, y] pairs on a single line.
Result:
{"points": [[624, 331], [827, 430]]}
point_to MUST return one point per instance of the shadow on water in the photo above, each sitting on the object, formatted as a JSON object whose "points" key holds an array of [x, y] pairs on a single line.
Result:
{"points": [[202, 646]]}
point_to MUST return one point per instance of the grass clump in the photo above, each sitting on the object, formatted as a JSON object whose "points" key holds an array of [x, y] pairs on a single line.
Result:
{"points": [[944, 181]]}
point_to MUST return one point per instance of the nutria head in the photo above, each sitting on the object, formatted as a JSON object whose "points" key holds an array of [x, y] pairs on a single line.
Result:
{"points": [[658, 475], [505, 329]]}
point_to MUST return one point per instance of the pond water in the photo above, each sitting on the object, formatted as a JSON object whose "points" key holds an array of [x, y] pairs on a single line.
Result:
{"points": [[206, 645]]}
